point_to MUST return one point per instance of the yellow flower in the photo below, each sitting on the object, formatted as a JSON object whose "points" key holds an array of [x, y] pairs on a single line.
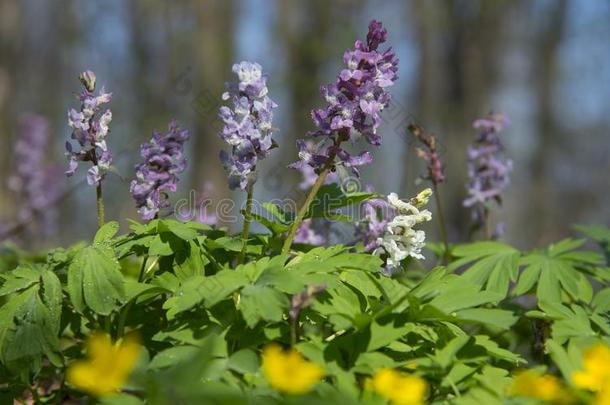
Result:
{"points": [[399, 388], [596, 373], [108, 365], [288, 371], [545, 387]]}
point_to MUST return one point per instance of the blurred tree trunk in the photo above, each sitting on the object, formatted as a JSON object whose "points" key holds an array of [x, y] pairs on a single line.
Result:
{"points": [[10, 17], [314, 36], [545, 80], [214, 46], [459, 45]]}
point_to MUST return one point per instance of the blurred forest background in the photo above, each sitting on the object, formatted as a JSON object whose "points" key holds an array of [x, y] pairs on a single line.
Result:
{"points": [[544, 63]]}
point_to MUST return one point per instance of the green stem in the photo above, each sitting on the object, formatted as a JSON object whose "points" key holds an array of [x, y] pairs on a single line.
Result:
{"points": [[441, 223], [312, 194], [100, 205], [247, 219], [142, 269], [486, 224], [123, 316], [293, 332]]}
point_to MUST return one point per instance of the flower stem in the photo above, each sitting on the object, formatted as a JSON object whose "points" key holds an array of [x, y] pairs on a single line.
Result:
{"points": [[100, 205], [293, 331], [312, 194], [247, 220], [441, 223], [486, 228]]}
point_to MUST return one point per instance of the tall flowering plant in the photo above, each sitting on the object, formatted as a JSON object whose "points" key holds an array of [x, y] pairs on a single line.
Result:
{"points": [[488, 169], [90, 128], [353, 110], [158, 174], [33, 180], [248, 129]]}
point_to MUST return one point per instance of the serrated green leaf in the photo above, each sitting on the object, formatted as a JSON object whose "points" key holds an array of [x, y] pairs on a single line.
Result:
{"points": [[262, 303], [106, 233], [95, 280]]}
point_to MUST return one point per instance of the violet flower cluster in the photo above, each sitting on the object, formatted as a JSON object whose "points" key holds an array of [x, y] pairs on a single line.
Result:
{"points": [[307, 235], [33, 180], [354, 104], [488, 169], [247, 125], [90, 128], [372, 224], [158, 173]]}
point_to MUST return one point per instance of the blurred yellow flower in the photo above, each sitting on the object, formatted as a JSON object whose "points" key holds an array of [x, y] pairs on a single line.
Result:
{"points": [[288, 371], [595, 375], [399, 388], [108, 365], [544, 387]]}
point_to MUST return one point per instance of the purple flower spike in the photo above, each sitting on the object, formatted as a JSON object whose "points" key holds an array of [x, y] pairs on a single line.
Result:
{"points": [[488, 169], [354, 102], [247, 125], [90, 127], [158, 174], [34, 182]]}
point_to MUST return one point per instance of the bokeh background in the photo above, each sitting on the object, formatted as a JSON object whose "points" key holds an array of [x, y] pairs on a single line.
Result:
{"points": [[544, 63]]}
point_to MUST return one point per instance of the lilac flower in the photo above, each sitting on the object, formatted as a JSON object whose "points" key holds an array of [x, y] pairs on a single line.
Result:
{"points": [[304, 299], [488, 169], [307, 235], [204, 201], [373, 222], [158, 174], [247, 125], [34, 181], [354, 103], [310, 176], [90, 128]]}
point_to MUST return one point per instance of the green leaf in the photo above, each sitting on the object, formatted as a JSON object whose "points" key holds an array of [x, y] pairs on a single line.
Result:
{"points": [[557, 269], [446, 355], [568, 322], [95, 280], [244, 361], [105, 234], [207, 290], [331, 197], [262, 303], [173, 356], [492, 264], [494, 317], [30, 322]]}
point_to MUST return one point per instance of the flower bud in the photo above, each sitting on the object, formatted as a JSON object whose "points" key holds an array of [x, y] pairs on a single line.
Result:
{"points": [[422, 198], [87, 78]]}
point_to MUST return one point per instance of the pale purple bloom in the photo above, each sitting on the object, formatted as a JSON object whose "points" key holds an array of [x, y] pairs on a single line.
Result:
{"points": [[488, 169], [34, 181], [90, 127], [310, 176], [248, 124], [304, 299], [158, 174], [307, 235], [375, 215], [354, 103]]}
